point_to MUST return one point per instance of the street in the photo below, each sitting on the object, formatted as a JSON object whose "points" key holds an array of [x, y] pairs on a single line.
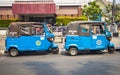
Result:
{"points": [[89, 30], [61, 64], [83, 64]]}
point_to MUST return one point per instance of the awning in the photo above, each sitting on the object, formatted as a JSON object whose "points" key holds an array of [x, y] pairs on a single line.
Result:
{"points": [[34, 7]]}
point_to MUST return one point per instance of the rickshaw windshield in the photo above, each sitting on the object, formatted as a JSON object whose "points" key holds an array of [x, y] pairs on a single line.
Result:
{"points": [[49, 28], [37, 29]]}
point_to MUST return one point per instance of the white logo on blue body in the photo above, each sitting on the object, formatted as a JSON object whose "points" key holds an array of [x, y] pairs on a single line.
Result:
{"points": [[98, 42]]}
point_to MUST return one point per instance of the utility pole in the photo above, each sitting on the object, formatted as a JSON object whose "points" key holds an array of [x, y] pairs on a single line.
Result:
{"points": [[113, 12]]}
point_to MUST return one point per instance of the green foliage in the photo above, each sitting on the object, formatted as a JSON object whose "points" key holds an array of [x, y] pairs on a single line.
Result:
{"points": [[117, 13], [66, 20], [92, 11], [5, 23], [117, 16], [109, 15]]}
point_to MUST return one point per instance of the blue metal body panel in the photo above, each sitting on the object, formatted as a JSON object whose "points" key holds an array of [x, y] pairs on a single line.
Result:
{"points": [[91, 42], [31, 43], [94, 42]]}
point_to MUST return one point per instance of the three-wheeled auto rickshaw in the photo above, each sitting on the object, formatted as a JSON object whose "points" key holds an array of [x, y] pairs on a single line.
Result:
{"points": [[29, 36], [87, 36]]}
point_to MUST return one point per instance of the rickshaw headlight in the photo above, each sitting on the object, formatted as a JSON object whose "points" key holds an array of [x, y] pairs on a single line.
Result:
{"points": [[51, 39], [109, 38]]}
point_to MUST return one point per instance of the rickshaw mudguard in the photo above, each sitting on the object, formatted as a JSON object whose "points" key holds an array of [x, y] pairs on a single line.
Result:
{"points": [[12, 46], [54, 45], [111, 44], [70, 45]]}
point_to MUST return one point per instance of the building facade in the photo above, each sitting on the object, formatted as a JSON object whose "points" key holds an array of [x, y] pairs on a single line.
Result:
{"points": [[37, 11], [6, 10], [71, 8], [41, 10], [6, 13], [73, 11]]}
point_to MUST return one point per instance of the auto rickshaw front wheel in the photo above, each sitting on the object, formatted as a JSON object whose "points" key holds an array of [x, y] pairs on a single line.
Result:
{"points": [[73, 51], [13, 52], [111, 50]]}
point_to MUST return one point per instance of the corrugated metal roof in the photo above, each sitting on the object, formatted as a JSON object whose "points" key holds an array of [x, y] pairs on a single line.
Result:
{"points": [[32, 2], [9, 2], [33, 8]]}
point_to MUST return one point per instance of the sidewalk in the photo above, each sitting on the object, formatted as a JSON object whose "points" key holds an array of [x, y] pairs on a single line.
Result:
{"points": [[2, 44], [116, 41], [1, 52]]}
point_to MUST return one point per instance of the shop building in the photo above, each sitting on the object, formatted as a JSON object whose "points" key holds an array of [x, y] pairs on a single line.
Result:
{"points": [[37, 11]]}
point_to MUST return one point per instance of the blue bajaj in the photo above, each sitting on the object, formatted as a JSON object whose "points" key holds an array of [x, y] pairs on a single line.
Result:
{"points": [[87, 36], [29, 37]]}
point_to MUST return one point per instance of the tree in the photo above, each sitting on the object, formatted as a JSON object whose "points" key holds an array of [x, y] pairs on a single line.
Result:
{"points": [[108, 13], [92, 12], [117, 13]]}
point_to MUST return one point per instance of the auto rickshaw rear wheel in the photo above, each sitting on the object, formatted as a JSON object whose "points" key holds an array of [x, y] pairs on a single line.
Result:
{"points": [[13, 52], [73, 51], [111, 50]]}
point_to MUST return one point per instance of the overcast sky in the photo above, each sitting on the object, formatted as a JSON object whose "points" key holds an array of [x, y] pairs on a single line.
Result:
{"points": [[117, 1]]}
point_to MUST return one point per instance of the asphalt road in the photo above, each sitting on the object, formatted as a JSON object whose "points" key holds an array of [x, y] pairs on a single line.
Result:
{"points": [[85, 64]]}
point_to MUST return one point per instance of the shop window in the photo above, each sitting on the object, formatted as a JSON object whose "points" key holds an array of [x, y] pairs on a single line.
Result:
{"points": [[14, 16], [71, 15], [57, 7], [1, 17], [7, 16]]}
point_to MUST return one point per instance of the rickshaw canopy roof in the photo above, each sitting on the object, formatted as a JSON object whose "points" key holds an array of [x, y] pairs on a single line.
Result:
{"points": [[23, 23], [14, 27], [76, 23]]}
